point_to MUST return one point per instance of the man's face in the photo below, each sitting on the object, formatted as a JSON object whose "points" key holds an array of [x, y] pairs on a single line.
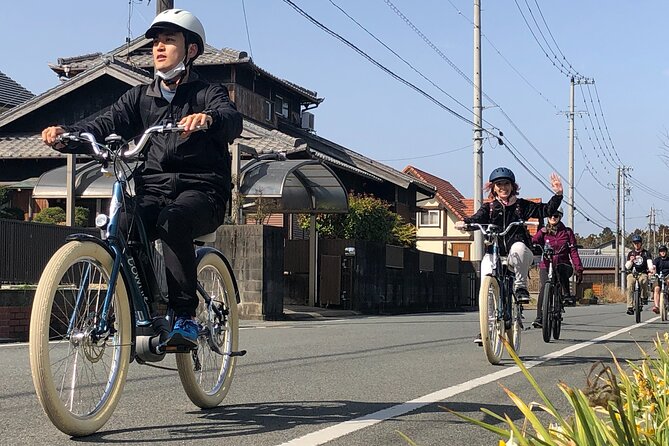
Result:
{"points": [[168, 50], [637, 245]]}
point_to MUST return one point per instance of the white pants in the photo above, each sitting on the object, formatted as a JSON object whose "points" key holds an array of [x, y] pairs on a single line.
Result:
{"points": [[519, 260]]}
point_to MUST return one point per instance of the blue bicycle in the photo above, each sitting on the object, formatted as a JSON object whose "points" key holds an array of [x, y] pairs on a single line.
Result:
{"points": [[96, 310]]}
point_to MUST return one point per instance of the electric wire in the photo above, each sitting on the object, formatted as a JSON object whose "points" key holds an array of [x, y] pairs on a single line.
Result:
{"points": [[399, 57], [383, 67], [492, 45], [246, 23], [430, 155]]}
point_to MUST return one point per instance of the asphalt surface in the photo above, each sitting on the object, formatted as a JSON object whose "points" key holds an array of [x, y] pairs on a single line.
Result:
{"points": [[343, 380]]}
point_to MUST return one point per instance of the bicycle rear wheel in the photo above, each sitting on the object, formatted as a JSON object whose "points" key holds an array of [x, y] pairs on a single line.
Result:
{"points": [[492, 328], [206, 372], [78, 373], [547, 311], [637, 304]]}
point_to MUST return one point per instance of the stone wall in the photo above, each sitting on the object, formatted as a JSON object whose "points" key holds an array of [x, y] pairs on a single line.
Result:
{"points": [[256, 255]]}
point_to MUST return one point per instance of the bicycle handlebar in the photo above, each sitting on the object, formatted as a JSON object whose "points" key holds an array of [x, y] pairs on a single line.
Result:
{"points": [[492, 229], [97, 151]]}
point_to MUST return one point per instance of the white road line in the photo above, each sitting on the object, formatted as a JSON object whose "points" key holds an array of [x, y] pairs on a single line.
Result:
{"points": [[339, 430]]}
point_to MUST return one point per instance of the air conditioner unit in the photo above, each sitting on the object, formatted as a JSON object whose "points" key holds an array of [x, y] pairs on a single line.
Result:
{"points": [[307, 120]]}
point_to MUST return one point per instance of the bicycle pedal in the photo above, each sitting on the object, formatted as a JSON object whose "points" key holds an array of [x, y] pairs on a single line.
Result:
{"points": [[239, 353]]}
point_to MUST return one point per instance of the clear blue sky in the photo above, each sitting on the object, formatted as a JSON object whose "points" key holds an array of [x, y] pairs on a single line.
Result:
{"points": [[619, 44]]}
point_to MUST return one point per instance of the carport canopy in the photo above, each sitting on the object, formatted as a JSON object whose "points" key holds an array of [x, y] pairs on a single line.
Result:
{"points": [[290, 186], [293, 186], [90, 182]]}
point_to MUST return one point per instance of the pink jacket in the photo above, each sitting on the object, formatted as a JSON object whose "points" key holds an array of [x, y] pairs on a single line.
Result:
{"points": [[564, 246]]}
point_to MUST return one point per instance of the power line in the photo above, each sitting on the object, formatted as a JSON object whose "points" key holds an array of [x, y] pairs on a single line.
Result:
{"points": [[246, 23]]}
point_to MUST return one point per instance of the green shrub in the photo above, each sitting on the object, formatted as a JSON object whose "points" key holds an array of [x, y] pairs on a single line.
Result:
{"points": [[12, 213], [57, 216]]}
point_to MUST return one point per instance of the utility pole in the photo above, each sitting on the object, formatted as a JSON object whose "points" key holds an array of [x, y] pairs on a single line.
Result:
{"points": [[162, 5], [570, 197], [617, 263], [477, 252], [570, 202], [625, 193]]}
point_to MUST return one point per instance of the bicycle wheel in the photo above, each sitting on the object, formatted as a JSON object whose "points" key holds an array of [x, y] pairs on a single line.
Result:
{"points": [[79, 376], [206, 372], [557, 313], [513, 334], [547, 311], [637, 305], [663, 305], [492, 328]]}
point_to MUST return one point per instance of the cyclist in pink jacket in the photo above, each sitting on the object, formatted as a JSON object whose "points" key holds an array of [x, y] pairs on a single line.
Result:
{"points": [[562, 240]]}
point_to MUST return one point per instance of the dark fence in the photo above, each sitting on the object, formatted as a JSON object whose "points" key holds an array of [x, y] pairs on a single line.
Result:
{"points": [[26, 247], [381, 279]]}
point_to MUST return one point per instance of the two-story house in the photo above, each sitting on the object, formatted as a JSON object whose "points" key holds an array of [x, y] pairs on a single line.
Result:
{"points": [[278, 117]]}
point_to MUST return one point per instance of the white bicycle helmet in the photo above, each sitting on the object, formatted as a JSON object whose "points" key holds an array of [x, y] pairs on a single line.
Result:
{"points": [[182, 20]]}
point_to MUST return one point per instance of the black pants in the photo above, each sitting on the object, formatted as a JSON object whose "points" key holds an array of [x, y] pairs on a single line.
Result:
{"points": [[564, 272], [176, 222]]}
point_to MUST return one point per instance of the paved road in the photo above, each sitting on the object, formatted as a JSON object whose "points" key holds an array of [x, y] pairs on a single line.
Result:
{"points": [[352, 381]]}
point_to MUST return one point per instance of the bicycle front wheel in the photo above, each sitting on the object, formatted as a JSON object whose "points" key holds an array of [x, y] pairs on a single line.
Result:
{"points": [[557, 313], [547, 311], [206, 372], [663, 306], [492, 327], [78, 372], [637, 305], [513, 334]]}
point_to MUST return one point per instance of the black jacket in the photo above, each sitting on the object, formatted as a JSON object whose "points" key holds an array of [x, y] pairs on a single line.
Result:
{"points": [[662, 265], [173, 164], [496, 213]]}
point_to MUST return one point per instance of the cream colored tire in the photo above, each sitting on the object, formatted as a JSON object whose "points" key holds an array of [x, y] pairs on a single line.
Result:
{"points": [[208, 386], [78, 378]]}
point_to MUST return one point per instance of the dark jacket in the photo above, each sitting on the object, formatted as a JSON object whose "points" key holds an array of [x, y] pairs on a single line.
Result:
{"points": [[638, 260], [173, 164], [496, 213], [563, 243], [662, 265]]}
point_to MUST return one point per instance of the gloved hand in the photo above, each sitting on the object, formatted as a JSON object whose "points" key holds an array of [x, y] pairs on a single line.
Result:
{"points": [[579, 276]]}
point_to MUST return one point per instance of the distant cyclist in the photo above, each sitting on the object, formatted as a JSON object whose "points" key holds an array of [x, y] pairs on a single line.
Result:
{"points": [[503, 208], [562, 240], [660, 266], [639, 259]]}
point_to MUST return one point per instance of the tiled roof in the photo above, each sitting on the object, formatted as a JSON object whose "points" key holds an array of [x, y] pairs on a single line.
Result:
{"points": [[138, 53], [446, 193], [132, 75], [11, 92], [598, 261], [27, 145]]}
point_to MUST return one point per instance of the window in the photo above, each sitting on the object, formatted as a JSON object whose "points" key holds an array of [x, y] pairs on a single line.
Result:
{"points": [[268, 111], [281, 106], [429, 218]]}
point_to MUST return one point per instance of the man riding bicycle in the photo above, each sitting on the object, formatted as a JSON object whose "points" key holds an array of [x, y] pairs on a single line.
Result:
{"points": [[503, 208], [661, 267], [184, 184], [639, 259]]}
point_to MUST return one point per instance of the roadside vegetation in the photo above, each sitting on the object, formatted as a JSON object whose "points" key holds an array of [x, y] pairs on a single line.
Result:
{"points": [[623, 405]]}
